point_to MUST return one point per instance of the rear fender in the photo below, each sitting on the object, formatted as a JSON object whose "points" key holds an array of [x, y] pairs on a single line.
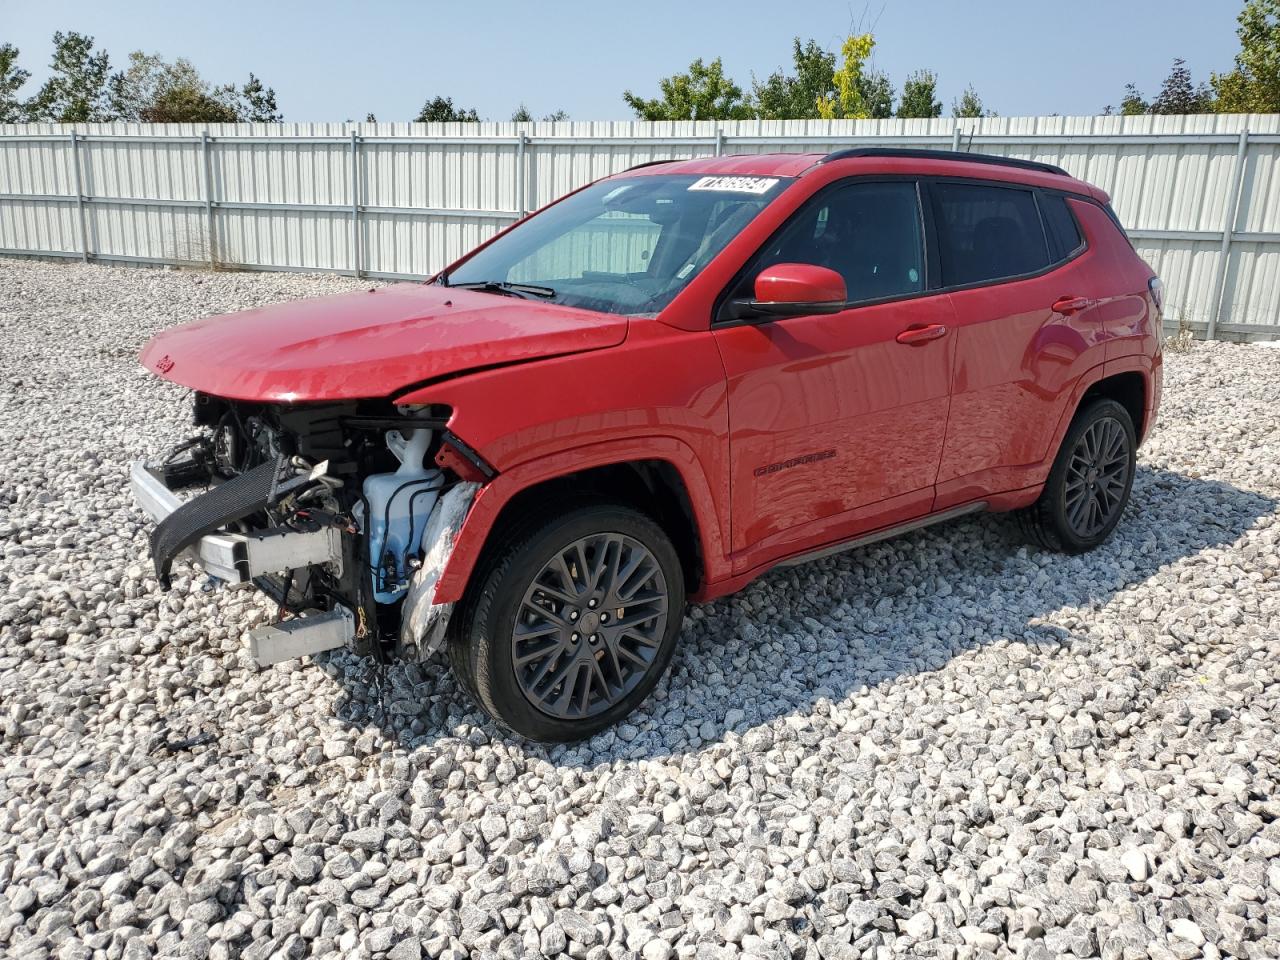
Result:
{"points": [[480, 521], [1149, 367]]}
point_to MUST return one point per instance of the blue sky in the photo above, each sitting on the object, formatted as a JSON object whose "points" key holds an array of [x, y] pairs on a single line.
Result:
{"points": [[338, 61]]}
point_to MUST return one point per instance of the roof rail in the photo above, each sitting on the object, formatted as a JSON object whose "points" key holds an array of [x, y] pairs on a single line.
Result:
{"points": [[919, 154]]}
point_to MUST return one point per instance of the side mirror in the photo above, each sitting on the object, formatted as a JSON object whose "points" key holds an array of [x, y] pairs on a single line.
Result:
{"points": [[794, 290]]}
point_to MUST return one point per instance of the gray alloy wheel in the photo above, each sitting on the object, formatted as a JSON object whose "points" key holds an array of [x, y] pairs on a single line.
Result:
{"points": [[1097, 477], [1088, 488], [589, 626], [522, 641]]}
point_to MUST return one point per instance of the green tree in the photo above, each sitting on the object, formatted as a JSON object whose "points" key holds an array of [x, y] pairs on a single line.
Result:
{"points": [[79, 90], [849, 79], [795, 96], [1133, 102], [704, 93], [521, 115], [256, 103], [1179, 95], [556, 116], [155, 90], [919, 96], [1254, 85], [969, 104], [877, 93], [442, 110], [12, 77]]}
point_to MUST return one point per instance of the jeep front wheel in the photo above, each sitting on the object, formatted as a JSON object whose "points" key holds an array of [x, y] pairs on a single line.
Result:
{"points": [[572, 623]]}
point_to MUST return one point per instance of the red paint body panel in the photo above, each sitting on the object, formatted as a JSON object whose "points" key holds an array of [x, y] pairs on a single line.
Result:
{"points": [[840, 389], [788, 436], [369, 344]]}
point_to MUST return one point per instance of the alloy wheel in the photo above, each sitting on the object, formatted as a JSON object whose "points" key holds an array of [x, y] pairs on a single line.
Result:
{"points": [[1097, 477], [589, 626]]}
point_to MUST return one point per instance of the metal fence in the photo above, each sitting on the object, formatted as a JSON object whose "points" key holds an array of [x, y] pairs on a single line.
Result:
{"points": [[1199, 194]]}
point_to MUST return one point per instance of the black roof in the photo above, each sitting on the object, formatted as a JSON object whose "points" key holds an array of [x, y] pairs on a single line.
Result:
{"points": [[919, 154]]}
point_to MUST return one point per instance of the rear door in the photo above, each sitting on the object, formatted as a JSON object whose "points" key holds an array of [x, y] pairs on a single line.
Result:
{"points": [[1020, 281], [836, 427]]}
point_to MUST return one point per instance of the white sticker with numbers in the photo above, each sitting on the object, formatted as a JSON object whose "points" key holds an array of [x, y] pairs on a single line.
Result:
{"points": [[755, 185]]}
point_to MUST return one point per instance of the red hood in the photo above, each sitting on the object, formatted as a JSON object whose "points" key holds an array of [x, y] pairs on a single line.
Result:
{"points": [[369, 344]]}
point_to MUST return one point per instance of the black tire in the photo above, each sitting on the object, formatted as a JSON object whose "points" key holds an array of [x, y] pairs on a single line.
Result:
{"points": [[1052, 521], [483, 631]]}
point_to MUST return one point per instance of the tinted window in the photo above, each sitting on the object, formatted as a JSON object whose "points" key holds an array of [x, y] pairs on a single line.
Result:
{"points": [[869, 233], [987, 233], [1060, 225]]}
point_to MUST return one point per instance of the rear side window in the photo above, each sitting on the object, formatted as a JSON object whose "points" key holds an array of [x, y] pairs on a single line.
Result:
{"points": [[987, 232], [1060, 225]]}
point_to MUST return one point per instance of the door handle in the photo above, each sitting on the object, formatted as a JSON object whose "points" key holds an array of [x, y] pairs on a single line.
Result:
{"points": [[915, 336], [1069, 305]]}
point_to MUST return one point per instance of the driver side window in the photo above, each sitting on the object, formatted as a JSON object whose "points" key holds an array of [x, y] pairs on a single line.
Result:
{"points": [[868, 232]]}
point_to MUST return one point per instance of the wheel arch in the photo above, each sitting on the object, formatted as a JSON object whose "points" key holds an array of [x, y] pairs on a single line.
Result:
{"points": [[660, 477], [1128, 388]]}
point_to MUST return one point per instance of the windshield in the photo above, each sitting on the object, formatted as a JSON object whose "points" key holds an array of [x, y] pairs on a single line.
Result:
{"points": [[620, 246]]}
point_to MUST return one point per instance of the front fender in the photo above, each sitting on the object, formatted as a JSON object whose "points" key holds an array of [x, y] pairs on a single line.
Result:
{"points": [[495, 495]]}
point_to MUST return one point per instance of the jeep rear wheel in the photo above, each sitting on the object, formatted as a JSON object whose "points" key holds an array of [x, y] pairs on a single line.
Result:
{"points": [[572, 623], [1089, 485]]}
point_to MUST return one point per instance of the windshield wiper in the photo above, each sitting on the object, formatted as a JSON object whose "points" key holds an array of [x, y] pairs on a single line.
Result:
{"points": [[503, 286]]}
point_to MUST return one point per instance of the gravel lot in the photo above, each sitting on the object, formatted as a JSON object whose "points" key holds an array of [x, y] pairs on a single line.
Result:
{"points": [[948, 745]]}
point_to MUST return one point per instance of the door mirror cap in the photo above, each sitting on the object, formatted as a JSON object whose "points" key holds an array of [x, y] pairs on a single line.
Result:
{"points": [[798, 289]]}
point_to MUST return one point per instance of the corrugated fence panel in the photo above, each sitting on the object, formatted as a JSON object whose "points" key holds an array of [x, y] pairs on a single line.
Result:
{"points": [[404, 200]]}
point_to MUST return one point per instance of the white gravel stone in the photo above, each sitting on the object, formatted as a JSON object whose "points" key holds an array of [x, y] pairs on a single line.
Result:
{"points": [[945, 745]]}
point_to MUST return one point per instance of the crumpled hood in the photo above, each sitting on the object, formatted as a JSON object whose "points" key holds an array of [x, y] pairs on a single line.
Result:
{"points": [[369, 344]]}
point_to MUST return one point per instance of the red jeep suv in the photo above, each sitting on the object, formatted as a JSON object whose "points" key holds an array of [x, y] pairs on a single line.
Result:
{"points": [[653, 390]]}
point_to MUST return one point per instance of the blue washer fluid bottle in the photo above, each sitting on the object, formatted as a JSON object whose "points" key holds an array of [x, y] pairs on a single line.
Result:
{"points": [[399, 504]]}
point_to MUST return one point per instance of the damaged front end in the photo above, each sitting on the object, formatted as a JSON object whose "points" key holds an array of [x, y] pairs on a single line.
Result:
{"points": [[344, 514]]}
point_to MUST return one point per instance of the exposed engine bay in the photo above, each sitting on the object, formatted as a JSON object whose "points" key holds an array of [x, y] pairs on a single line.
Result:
{"points": [[386, 486]]}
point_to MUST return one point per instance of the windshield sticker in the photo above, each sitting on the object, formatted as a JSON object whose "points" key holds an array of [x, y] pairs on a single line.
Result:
{"points": [[756, 185]]}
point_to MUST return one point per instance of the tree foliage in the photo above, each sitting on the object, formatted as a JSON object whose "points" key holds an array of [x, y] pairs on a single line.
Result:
{"points": [[919, 96], [1133, 103], [1179, 95], [796, 96], [442, 110], [969, 105], [257, 103], [702, 93], [848, 102], [877, 93], [1254, 85], [815, 85], [12, 77], [79, 89]]}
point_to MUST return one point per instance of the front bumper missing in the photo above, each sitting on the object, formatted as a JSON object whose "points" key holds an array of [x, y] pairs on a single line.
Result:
{"points": [[239, 557]]}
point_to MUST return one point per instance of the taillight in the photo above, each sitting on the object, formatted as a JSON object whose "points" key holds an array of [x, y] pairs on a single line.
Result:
{"points": [[1156, 286]]}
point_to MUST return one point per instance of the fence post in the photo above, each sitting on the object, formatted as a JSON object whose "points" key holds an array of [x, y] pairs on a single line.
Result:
{"points": [[84, 231], [355, 204], [719, 142], [522, 191], [208, 200], [1218, 302], [955, 138]]}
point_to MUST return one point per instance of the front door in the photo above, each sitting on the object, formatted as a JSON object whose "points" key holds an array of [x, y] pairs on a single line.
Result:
{"points": [[836, 426]]}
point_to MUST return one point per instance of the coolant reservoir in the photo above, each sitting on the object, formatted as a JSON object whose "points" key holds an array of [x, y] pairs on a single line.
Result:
{"points": [[399, 504]]}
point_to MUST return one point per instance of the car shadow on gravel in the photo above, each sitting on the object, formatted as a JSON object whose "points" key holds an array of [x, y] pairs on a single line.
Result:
{"points": [[821, 631]]}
